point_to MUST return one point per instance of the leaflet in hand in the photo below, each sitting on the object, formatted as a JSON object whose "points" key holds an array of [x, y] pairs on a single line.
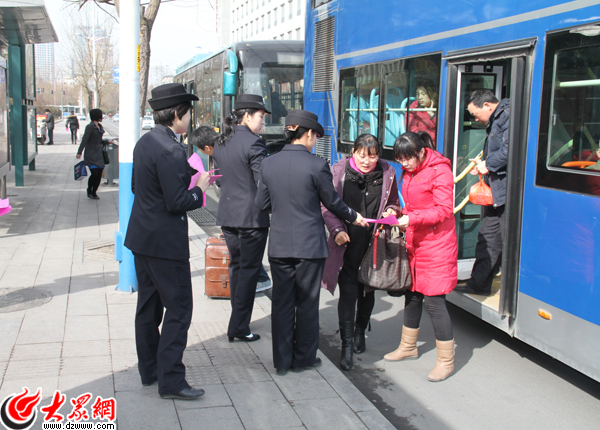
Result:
{"points": [[213, 178], [196, 162], [389, 220], [4, 207]]}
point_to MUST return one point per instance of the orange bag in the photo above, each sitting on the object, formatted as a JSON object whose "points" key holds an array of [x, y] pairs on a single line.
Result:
{"points": [[481, 194]]}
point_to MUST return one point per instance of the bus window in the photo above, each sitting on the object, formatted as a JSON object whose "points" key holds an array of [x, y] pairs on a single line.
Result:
{"points": [[360, 102], [396, 104], [571, 156]]}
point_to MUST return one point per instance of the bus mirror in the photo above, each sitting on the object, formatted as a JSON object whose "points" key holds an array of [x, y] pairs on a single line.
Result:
{"points": [[232, 61], [229, 84]]}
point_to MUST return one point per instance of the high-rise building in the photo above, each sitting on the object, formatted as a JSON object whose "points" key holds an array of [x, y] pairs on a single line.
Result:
{"points": [[260, 20], [44, 62]]}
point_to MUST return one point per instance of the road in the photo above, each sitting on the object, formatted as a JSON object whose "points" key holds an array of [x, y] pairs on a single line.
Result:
{"points": [[500, 382]]}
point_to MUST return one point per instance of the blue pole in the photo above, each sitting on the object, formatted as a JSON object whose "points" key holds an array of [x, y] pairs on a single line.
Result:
{"points": [[127, 276], [129, 132]]}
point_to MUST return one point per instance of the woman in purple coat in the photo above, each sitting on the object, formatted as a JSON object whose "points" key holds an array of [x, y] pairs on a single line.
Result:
{"points": [[367, 185]]}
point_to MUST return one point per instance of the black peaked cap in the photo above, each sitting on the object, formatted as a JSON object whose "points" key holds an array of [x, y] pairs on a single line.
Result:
{"points": [[305, 119], [249, 101], [169, 95]]}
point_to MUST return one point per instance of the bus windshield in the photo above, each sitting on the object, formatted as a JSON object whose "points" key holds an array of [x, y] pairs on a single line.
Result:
{"points": [[279, 78]]}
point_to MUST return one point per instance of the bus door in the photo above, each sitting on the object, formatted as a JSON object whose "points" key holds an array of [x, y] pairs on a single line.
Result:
{"points": [[506, 76]]}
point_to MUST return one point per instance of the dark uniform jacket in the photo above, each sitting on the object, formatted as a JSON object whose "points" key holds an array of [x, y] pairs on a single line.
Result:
{"points": [[158, 226], [73, 122], [294, 183], [495, 151], [50, 121], [239, 161], [92, 142]]}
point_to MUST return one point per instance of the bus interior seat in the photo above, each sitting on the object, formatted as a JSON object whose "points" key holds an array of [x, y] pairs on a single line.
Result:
{"points": [[395, 120]]}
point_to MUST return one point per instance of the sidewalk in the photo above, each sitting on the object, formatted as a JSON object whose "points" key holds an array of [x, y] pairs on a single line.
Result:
{"points": [[64, 327]]}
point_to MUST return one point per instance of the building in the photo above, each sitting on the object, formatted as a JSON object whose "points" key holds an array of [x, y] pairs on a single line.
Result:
{"points": [[44, 62], [260, 20]]}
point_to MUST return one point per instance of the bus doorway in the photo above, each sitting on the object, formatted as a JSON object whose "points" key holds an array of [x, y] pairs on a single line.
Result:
{"points": [[506, 76]]}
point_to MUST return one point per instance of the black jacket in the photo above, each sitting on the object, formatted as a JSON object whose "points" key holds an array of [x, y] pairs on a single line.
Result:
{"points": [[294, 183], [50, 121], [92, 142], [239, 161], [158, 226], [495, 151], [73, 122]]}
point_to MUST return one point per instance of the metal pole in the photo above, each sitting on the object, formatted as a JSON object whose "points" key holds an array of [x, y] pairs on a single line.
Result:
{"points": [[94, 65], [129, 132]]}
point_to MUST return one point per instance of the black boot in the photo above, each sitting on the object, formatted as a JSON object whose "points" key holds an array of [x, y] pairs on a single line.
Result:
{"points": [[359, 333], [346, 335]]}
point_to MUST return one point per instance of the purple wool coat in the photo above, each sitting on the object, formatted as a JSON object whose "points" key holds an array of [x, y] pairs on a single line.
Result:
{"points": [[390, 199]]}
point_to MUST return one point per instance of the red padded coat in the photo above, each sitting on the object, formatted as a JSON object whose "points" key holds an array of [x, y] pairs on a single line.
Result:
{"points": [[431, 234]]}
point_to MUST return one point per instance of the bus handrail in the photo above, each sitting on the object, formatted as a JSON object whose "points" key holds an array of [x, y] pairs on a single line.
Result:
{"points": [[461, 176]]}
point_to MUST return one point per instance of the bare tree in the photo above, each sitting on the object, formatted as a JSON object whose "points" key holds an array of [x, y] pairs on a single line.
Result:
{"points": [[91, 53], [148, 14]]}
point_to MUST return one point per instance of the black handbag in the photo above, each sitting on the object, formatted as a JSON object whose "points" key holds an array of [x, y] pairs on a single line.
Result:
{"points": [[105, 155], [385, 266]]}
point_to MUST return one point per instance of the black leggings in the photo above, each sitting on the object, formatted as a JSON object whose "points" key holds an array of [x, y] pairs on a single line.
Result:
{"points": [[74, 135], [350, 294], [436, 307], [94, 180]]}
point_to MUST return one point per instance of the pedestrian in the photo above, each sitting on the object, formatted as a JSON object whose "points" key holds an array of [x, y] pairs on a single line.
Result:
{"points": [[368, 185], [158, 237], [426, 119], [486, 109], [239, 152], [50, 126], [73, 123], [92, 143], [294, 184], [204, 138], [427, 191]]}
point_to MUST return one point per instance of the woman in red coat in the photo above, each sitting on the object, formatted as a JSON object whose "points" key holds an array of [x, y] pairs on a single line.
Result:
{"points": [[427, 189], [424, 120]]}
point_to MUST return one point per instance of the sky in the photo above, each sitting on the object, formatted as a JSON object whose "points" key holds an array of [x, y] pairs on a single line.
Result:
{"points": [[183, 28]]}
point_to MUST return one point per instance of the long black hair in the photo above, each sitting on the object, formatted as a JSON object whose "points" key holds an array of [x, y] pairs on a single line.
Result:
{"points": [[229, 123], [291, 135]]}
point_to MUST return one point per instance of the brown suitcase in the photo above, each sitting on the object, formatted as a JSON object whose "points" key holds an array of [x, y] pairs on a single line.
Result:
{"points": [[216, 269]]}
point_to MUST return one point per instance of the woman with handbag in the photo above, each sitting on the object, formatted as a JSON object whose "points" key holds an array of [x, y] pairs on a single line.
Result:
{"points": [[427, 190], [92, 143], [367, 185]]}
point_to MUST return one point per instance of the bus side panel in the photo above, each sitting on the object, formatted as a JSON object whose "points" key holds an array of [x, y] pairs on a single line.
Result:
{"points": [[565, 337]]}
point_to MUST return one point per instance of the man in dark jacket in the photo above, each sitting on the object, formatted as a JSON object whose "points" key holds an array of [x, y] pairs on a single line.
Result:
{"points": [[50, 126], [158, 237], [486, 109]]}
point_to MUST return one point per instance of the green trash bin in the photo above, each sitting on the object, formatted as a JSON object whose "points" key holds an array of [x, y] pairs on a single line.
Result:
{"points": [[111, 171]]}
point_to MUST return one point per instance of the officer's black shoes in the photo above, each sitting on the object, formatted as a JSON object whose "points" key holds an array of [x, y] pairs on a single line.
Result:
{"points": [[315, 365], [93, 196], [185, 394], [282, 372], [465, 289], [250, 338]]}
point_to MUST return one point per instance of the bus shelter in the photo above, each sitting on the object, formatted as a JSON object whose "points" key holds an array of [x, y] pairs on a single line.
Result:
{"points": [[22, 24]]}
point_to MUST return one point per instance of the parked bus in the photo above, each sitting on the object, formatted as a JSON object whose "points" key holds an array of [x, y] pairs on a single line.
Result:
{"points": [[273, 69], [79, 111], [365, 62]]}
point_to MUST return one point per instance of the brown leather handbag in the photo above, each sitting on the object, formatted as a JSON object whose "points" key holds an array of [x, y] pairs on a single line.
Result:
{"points": [[385, 266]]}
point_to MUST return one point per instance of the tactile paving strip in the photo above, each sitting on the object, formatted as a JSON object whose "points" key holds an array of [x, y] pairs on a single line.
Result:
{"points": [[234, 374], [214, 335], [199, 376], [196, 357], [235, 356], [202, 217], [25, 298]]}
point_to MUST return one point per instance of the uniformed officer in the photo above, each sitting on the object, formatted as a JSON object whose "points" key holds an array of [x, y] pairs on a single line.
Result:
{"points": [[158, 236], [239, 152], [294, 184]]}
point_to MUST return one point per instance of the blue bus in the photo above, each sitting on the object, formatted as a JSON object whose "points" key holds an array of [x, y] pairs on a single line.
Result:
{"points": [[273, 69], [365, 65]]}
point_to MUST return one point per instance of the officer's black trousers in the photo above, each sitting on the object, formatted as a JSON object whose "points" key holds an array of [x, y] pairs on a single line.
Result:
{"points": [[162, 284], [246, 248], [489, 248], [50, 136], [295, 310]]}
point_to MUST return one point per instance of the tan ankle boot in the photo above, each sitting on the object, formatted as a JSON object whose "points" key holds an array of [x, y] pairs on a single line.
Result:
{"points": [[444, 366], [408, 346]]}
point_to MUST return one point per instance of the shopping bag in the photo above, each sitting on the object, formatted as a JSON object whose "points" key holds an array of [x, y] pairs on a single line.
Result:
{"points": [[80, 171], [481, 194], [385, 266]]}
